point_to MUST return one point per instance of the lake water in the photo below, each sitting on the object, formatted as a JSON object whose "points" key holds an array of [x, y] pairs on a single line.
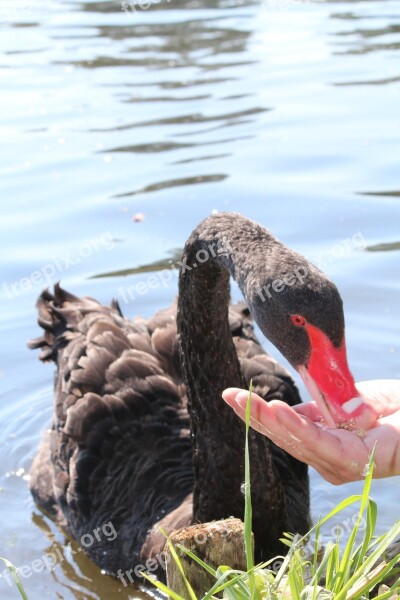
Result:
{"points": [[122, 127]]}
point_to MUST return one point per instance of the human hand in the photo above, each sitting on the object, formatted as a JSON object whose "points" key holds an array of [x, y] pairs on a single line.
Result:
{"points": [[339, 455]]}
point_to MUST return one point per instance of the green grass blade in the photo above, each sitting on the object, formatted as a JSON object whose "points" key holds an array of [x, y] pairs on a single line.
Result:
{"points": [[369, 562], [284, 566], [365, 583], [14, 575], [177, 560], [162, 587], [247, 496], [316, 548], [322, 567], [227, 580], [296, 575], [248, 513], [242, 589], [388, 595], [294, 584], [350, 576], [372, 511], [200, 562], [346, 563], [332, 566], [337, 509]]}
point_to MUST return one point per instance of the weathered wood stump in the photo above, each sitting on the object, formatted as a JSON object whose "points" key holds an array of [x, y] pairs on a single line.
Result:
{"points": [[216, 543]]}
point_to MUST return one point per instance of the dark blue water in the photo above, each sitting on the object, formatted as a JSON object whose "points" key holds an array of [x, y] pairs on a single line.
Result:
{"points": [[122, 129]]}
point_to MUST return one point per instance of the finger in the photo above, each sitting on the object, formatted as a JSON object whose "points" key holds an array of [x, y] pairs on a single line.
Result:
{"points": [[229, 395], [382, 394], [294, 446], [310, 443], [309, 410], [264, 420], [257, 405], [320, 447], [386, 438], [337, 448], [261, 419]]}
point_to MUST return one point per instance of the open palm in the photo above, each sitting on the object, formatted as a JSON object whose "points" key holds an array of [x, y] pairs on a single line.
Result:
{"points": [[338, 455]]}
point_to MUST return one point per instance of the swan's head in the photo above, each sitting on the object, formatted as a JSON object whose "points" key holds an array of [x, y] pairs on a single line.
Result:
{"points": [[301, 312]]}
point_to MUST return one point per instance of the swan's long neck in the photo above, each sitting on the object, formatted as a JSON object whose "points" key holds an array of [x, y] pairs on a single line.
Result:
{"points": [[222, 246]]}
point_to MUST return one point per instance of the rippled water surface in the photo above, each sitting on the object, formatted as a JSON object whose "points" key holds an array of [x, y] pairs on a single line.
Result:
{"points": [[122, 129]]}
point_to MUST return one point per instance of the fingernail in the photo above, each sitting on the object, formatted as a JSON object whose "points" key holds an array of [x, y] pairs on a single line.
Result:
{"points": [[230, 393]]}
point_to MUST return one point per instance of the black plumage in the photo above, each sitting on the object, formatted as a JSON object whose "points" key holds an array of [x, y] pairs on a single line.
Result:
{"points": [[127, 446]]}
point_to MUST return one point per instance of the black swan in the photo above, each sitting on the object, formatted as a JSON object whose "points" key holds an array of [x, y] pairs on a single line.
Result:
{"points": [[140, 435]]}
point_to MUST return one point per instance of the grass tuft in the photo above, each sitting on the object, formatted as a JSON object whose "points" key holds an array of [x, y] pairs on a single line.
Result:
{"points": [[327, 572], [14, 575]]}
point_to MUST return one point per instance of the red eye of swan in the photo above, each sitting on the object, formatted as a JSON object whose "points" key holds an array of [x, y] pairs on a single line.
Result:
{"points": [[298, 320]]}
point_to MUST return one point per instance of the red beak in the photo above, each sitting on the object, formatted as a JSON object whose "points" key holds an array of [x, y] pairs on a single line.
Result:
{"points": [[331, 385]]}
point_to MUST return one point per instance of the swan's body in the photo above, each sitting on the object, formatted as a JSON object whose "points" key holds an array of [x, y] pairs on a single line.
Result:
{"points": [[122, 428], [120, 447]]}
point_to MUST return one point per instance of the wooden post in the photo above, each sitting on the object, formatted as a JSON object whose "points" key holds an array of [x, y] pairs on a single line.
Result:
{"points": [[216, 543]]}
